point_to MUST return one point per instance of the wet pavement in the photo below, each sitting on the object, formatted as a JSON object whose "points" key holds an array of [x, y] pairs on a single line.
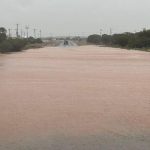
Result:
{"points": [[75, 98], [69, 43]]}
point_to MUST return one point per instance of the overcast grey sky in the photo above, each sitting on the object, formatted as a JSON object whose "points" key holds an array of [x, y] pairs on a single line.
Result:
{"points": [[65, 17]]}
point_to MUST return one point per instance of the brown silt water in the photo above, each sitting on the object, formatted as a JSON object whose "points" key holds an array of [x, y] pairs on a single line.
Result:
{"points": [[75, 98]]}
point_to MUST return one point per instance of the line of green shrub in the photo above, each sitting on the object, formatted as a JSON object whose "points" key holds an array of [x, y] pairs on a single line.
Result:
{"points": [[139, 40], [15, 44]]}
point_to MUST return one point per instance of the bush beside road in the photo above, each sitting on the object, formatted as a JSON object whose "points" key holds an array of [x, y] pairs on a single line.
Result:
{"points": [[16, 44], [139, 40]]}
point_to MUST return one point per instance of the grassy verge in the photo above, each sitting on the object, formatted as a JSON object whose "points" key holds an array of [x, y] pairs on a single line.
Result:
{"points": [[16, 45]]}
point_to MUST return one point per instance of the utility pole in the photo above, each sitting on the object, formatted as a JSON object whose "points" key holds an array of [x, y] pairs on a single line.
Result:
{"points": [[101, 35], [101, 32], [21, 33], [9, 30], [27, 31], [34, 31], [110, 36], [110, 31], [40, 34], [17, 31]]}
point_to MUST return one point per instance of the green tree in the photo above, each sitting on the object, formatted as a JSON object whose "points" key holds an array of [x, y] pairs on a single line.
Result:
{"points": [[3, 35], [106, 39], [94, 39], [121, 39]]}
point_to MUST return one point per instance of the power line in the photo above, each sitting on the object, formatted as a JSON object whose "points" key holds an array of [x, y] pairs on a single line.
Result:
{"points": [[22, 33]]}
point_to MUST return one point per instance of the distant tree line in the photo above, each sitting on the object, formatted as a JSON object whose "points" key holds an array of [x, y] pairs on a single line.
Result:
{"points": [[125, 40], [8, 44]]}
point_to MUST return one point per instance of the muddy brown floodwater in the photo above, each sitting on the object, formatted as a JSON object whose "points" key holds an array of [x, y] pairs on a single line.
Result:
{"points": [[75, 98]]}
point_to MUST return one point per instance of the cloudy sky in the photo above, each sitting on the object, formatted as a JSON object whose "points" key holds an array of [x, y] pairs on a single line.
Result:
{"points": [[74, 17]]}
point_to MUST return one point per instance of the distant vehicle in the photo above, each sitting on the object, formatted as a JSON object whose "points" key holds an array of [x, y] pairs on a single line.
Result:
{"points": [[66, 43]]}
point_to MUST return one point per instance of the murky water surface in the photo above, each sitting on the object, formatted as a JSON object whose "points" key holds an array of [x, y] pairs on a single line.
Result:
{"points": [[77, 98]]}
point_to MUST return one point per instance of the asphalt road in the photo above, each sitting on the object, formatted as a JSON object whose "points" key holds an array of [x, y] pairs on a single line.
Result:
{"points": [[75, 98], [70, 44]]}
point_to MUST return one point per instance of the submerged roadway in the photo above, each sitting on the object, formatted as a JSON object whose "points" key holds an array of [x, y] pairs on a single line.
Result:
{"points": [[75, 98]]}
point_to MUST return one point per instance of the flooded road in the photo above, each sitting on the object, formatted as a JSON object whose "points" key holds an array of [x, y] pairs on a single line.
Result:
{"points": [[75, 98], [69, 43]]}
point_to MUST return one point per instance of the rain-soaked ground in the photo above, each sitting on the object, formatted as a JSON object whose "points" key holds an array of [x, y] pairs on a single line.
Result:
{"points": [[75, 98]]}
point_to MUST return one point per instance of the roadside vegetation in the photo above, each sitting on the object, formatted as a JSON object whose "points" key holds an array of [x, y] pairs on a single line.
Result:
{"points": [[139, 40], [80, 41], [8, 44]]}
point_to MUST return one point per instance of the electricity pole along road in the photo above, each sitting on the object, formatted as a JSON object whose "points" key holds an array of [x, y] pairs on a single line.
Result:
{"points": [[75, 98]]}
